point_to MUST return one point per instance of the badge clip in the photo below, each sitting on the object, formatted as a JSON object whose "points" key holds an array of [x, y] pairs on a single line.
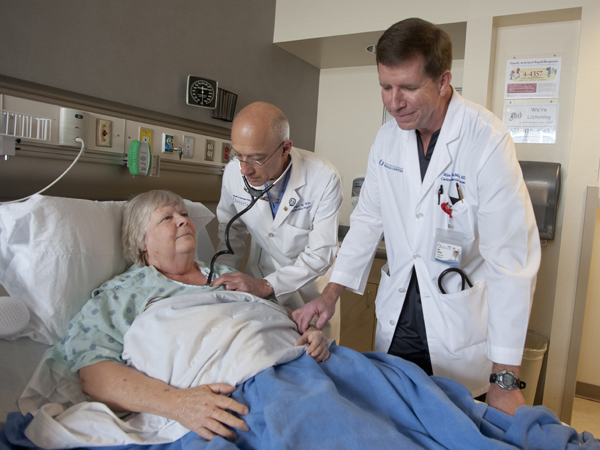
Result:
{"points": [[447, 208]]}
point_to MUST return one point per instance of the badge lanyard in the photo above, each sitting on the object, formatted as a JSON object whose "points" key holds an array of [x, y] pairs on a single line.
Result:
{"points": [[449, 243], [275, 204]]}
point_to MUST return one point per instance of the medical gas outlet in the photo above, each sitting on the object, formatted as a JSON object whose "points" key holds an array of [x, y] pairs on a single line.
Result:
{"points": [[167, 143], [146, 135]]}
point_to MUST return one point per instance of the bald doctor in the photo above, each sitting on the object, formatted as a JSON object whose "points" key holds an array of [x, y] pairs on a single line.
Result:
{"points": [[293, 227]]}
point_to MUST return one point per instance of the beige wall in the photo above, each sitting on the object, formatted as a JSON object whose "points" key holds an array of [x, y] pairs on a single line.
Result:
{"points": [[349, 114], [589, 363], [559, 39], [307, 19]]}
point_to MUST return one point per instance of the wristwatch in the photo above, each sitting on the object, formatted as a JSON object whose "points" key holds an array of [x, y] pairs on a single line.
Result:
{"points": [[507, 380]]}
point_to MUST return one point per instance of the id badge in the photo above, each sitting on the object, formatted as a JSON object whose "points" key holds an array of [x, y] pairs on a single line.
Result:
{"points": [[448, 247]]}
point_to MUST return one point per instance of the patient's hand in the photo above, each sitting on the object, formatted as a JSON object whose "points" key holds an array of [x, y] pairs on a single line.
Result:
{"points": [[203, 409], [318, 347]]}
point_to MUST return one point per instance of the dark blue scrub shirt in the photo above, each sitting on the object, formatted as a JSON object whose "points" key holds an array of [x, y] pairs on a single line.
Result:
{"points": [[410, 338]]}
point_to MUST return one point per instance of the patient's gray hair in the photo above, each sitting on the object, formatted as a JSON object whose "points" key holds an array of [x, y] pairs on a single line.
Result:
{"points": [[136, 216]]}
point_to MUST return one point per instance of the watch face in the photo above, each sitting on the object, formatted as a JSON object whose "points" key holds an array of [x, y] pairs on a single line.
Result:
{"points": [[201, 92], [508, 379]]}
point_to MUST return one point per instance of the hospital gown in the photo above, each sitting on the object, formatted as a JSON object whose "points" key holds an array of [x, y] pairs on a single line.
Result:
{"points": [[96, 333]]}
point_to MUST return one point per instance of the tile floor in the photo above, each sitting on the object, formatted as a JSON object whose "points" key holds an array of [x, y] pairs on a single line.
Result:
{"points": [[586, 416]]}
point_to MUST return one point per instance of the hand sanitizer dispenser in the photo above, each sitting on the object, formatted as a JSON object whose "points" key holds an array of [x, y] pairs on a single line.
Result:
{"points": [[543, 183]]}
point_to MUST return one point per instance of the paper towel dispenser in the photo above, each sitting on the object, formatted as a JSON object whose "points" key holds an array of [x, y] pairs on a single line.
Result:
{"points": [[357, 184], [543, 183]]}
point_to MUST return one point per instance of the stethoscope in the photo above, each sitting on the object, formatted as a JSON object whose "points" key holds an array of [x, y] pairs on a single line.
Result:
{"points": [[463, 277], [256, 195]]}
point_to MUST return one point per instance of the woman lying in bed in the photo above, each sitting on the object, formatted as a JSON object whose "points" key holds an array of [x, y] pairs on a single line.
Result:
{"points": [[160, 239]]}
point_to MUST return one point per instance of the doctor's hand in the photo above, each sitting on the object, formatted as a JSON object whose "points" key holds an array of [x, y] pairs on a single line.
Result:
{"points": [[323, 307], [245, 283], [318, 347], [203, 409]]}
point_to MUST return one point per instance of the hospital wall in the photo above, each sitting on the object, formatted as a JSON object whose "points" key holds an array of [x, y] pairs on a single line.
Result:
{"points": [[140, 52], [350, 113], [130, 60]]}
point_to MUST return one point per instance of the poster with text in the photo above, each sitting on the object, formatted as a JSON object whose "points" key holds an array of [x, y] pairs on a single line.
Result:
{"points": [[532, 78], [532, 123]]}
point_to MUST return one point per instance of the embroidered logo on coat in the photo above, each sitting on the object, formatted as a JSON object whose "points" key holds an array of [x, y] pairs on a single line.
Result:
{"points": [[454, 177], [390, 167], [302, 206], [240, 200]]}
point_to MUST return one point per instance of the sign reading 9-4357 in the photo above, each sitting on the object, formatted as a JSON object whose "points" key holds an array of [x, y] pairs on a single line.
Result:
{"points": [[532, 78]]}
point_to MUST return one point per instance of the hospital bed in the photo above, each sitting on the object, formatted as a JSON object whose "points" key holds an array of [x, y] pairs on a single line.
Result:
{"points": [[71, 246], [54, 251]]}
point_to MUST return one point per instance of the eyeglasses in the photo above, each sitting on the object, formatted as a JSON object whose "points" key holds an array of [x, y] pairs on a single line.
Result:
{"points": [[235, 157]]}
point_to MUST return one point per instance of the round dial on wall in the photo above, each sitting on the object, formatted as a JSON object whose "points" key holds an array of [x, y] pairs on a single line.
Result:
{"points": [[202, 92]]}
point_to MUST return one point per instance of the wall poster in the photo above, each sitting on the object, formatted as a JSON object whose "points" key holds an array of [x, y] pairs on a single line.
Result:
{"points": [[530, 123], [532, 78]]}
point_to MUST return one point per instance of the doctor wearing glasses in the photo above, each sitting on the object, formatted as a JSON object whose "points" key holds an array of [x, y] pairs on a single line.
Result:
{"points": [[293, 226]]}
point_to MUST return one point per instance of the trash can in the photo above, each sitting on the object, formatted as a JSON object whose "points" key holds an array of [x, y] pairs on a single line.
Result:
{"points": [[531, 366]]}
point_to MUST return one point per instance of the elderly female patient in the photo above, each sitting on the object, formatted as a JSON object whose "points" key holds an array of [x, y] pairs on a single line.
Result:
{"points": [[160, 239]]}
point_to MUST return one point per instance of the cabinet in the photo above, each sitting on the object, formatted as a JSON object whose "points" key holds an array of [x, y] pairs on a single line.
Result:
{"points": [[358, 320]]}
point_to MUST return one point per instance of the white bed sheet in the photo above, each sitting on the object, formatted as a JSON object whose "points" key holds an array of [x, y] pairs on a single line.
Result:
{"points": [[18, 361], [220, 336]]}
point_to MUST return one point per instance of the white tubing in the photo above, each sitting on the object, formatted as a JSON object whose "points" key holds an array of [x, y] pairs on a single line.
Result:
{"points": [[55, 181]]}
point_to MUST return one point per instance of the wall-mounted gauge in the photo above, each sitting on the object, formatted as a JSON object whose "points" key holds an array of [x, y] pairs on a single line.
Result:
{"points": [[201, 92]]}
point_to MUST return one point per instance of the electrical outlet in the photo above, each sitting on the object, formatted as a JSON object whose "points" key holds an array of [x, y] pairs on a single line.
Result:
{"points": [[210, 150], [104, 133], [167, 143], [225, 156], [188, 146], [146, 136]]}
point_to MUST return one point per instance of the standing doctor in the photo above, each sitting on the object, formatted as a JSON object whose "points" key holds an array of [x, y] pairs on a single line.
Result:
{"points": [[294, 226], [442, 178]]}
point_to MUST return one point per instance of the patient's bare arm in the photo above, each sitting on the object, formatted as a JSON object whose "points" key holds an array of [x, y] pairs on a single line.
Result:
{"points": [[201, 409]]}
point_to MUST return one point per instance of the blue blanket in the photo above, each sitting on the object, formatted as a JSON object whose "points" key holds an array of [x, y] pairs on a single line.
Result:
{"points": [[365, 401]]}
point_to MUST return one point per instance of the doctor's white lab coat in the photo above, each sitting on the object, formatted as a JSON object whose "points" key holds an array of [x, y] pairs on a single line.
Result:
{"points": [[296, 249], [466, 330]]}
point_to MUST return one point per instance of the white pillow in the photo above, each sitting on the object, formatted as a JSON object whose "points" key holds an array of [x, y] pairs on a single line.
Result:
{"points": [[54, 251]]}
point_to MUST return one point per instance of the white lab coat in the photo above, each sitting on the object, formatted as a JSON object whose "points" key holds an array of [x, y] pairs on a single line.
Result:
{"points": [[501, 252], [294, 251]]}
